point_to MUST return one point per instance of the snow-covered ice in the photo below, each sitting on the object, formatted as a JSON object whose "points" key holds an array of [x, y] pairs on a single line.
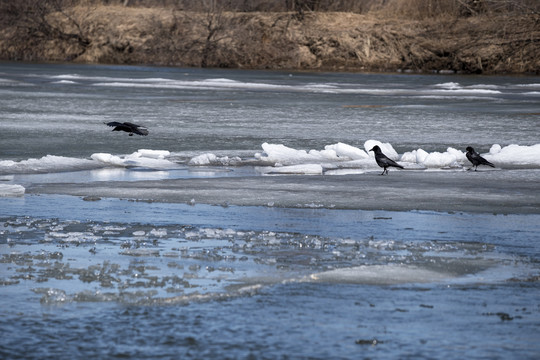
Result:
{"points": [[282, 159], [48, 163], [514, 156], [342, 155], [153, 159], [11, 190]]}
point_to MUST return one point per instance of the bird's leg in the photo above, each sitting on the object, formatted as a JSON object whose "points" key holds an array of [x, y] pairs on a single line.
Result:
{"points": [[383, 171]]}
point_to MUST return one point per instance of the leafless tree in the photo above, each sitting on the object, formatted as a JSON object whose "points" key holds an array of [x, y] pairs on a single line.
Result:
{"points": [[35, 19]]}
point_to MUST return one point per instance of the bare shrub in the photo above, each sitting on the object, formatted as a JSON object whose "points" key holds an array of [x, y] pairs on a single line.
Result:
{"points": [[44, 20]]}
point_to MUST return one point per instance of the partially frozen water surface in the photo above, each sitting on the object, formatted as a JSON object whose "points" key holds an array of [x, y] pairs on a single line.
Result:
{"points": [[252, 221]]}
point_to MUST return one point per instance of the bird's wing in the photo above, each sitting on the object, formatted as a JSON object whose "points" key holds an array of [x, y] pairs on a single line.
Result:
{"points": [[476, 156], [132, 124], [389, 161], [114, 123], [484, 161], [384, 160], [137, 129]]}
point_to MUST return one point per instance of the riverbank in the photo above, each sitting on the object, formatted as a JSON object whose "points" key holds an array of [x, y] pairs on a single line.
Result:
{"points": [[321, 41]]}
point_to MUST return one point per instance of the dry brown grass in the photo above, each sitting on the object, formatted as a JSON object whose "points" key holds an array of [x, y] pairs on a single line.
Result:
{"points": [[384, 40]]}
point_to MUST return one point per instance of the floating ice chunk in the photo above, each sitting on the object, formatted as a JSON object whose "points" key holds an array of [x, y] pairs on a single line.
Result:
{"points": [[11, 190], [203, 159], [421, 155], [75, 236], [386, 148], [381, 275], [48, 163], [449, 85], [212, 159], [345, 150], [460, 155], [495, 148], [64, 82], [514, 156], [450, 158], [436, 160], [158, 232], [281, 154], [472, 89], [410, 156], [108, 159], [334, 158], [153, 154], [142, 158]]}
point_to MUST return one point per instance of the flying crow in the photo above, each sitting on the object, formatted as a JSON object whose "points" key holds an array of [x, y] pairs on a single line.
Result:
{"points": [[476, 159], [384, 161], [129, 128]]}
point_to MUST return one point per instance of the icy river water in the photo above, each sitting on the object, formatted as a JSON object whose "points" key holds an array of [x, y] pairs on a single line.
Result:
{"points": [[253, 223]]}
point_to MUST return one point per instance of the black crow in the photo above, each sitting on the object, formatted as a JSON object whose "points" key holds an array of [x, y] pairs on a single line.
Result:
{"points": [[476, 159], [384, 161], [129, 128]]}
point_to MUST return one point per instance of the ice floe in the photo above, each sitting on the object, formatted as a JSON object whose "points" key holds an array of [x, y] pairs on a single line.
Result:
{"points": [[381, 275], [212, 159], [451, 158], [334, 159], [11, 190], [341, 156], [514, 156], [48, 163], [154, 159]]}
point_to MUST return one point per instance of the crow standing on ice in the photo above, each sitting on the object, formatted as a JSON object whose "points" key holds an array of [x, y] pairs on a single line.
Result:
{"points": [[384, 161], [129, 128], [476, 159]]}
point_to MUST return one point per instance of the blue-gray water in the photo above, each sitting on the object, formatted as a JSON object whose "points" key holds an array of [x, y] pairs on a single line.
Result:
{"points": [[131, 276]]}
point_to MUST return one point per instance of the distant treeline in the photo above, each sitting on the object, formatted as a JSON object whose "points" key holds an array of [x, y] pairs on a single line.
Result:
{"points": [[466, 36]]}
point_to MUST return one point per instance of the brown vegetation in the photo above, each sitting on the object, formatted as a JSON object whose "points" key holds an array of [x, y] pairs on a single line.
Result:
{"points": [[469, 36]]}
